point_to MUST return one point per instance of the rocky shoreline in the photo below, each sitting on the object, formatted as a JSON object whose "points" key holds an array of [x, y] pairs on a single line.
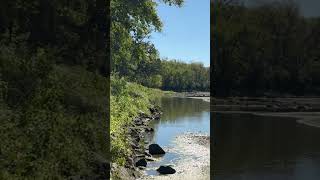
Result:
{"points": [[137, 131], [194, 158], [192, 94]]}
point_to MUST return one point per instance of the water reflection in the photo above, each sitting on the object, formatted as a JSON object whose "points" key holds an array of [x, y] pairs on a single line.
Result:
{"points": [[255, 147], [180, 115], [176, 108]]}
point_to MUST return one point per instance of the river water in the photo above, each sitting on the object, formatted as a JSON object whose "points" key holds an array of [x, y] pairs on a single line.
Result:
{"points": [[180, 116], [250, 147]]}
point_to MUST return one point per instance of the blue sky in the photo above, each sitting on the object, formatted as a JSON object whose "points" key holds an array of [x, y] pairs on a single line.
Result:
{"points": [[186, 32]]}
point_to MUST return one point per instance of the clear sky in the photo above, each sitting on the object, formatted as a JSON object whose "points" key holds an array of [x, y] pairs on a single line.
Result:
{"points": [[186, 32]]}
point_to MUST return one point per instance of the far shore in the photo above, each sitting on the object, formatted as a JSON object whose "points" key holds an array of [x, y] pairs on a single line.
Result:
{"points": [[205, 96], [305, 110], [207, 99], [307, 118]]}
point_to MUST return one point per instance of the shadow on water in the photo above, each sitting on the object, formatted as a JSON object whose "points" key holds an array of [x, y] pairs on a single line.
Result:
{"points": [[254, 147]]}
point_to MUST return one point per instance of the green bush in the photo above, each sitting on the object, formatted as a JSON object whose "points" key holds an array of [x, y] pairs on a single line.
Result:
{"points": [[58, 131], [126, 100]]}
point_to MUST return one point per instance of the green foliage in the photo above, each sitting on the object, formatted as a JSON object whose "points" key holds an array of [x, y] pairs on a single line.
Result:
{"points": [[57, 132], [266, 48], [180, 76], [126, 100], [69, 27], [53, 96], [135, 57]]}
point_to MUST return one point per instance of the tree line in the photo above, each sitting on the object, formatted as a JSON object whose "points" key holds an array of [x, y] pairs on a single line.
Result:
{"points": [[135, 57], [264, 49], [54, 80], [180, 76]]}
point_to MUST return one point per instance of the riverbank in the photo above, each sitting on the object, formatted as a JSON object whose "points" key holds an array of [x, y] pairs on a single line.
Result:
{"points": [[205, 96], [194, 161], [129, 135], [264, 104], [305, 110], [129, 100], [137, 131]]}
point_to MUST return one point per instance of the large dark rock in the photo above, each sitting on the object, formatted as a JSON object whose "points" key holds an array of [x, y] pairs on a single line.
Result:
{"points": [[155, 149], [166, 170], [141, 162]]}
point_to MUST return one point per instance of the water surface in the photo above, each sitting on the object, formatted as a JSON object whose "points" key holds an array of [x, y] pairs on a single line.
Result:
{"points": [[250, 147], [180, 115]]}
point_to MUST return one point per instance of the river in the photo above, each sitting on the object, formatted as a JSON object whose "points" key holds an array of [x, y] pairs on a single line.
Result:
{"points": [[252, 147], [184, 120]]}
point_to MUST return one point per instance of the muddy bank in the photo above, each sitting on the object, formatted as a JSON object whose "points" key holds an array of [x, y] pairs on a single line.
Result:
{"points": [[205, 96], [304, 110], [194, 158], [264, 104], [307, 118], [137, 131]]}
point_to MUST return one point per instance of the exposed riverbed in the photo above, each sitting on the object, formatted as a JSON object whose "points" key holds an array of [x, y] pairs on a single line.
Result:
{"points": [[273, 138]]}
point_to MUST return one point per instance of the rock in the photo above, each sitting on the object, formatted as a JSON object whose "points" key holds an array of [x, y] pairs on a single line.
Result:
{"points": [[137, 138], [140, 155], [141, 162], [143, 114], [149, 129], [156, 116], [155, 149], [147, 154], [153, 110], [122, 172], [134, 146], [150, 159], [130, 162], [166, 170]]}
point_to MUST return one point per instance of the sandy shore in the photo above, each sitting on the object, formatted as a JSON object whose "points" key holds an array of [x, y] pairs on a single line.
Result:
{"points": [[305, 110], [307, 118], [207, 99], [258, 104], [194, 161]]}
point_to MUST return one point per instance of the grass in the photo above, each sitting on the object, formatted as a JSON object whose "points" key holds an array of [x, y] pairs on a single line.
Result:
{"points": [[127, 99]]}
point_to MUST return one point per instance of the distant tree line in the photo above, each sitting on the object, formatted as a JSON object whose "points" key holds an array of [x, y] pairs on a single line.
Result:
{"points": [[136, 58], [173, 75], [180, 76], [266, 48]]}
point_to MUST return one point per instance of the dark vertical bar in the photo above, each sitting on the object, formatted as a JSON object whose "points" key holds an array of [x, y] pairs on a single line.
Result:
{"points": [[212, 86], [103, 50]]}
